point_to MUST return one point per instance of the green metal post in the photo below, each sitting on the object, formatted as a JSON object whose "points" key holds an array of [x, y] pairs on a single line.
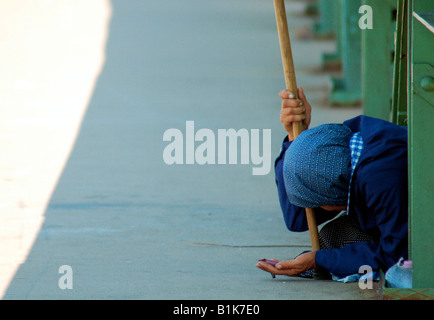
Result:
{"points": [[327, 22], [377, 59], [421, 141], [399, 95], [334, 60], [347, 89]]}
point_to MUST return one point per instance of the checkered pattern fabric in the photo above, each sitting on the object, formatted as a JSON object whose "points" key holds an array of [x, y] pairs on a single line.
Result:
{"points": [[356, 146]]}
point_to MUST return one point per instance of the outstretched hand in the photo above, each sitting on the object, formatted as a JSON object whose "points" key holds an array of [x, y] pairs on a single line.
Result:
{"points": [[302, 263]]}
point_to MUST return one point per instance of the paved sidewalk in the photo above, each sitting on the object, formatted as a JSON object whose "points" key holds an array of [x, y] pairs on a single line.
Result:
{"points": [[49, 70], [128, 225]]}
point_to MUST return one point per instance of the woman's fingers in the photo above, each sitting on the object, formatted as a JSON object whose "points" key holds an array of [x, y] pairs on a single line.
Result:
{"points": [[291, 103], [269, 268], [265, 266], [293, 110], [287, 271], [289, 115], [285, 94], [289, 119]]}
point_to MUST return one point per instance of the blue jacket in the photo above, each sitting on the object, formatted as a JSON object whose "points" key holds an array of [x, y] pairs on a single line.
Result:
{"points": [[379, 198]]}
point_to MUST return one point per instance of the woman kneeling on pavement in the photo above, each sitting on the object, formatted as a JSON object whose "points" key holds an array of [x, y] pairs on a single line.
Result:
{"points": [[355, 176]]}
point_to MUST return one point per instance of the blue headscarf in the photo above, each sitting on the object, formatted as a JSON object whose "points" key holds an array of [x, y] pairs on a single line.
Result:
{"points": [[317, 167]]}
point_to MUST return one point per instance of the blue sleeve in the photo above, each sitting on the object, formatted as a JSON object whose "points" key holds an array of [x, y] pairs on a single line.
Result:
{"points": [[385, 192], [347, 260], [294, 216]]}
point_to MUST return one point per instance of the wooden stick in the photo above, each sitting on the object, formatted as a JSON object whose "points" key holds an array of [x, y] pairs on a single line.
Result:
{"points": [[291, 85]]}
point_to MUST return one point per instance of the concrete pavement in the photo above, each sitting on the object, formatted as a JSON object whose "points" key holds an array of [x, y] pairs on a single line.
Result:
{"points": [[49, 69], [130, 226]]}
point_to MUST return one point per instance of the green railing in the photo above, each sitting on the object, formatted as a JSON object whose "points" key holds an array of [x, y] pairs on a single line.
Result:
{"points": [[390, 70]]}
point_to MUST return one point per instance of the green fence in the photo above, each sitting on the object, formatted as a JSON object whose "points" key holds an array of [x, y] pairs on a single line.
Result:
{"points": [[389, 69]]}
